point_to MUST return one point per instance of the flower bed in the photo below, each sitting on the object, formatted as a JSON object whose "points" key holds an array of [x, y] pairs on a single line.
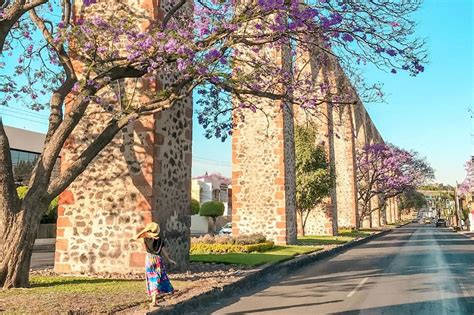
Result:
{"points": [[228, 244]]}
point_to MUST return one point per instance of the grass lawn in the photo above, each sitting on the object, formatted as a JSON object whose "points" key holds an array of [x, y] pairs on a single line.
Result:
{"points": [[323, 240], [55, 294], [277, 254], [355, 233], [345, 235]]}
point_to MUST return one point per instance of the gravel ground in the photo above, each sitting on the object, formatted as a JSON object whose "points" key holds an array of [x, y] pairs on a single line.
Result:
{"points": [[200, 278]]}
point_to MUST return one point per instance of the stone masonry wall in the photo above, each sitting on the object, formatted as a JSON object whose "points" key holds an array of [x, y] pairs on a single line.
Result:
{"points": [[323, 219], [144, 174], [344, 149], [263, 162], [258, 177]]}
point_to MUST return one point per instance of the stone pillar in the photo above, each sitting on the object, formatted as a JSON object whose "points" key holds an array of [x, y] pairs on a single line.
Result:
{"points": [[172, 177], [263, 168], [375, 214], [396, 212], [144, 174], [390, 210], [322, 219], [344, 149]]}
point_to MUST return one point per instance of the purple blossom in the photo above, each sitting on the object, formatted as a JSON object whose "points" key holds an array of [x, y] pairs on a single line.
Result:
{"points": [[347, 37], [87, 3]]}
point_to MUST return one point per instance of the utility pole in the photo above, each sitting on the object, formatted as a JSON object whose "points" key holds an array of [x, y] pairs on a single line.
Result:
{"points": [[456, 204]]}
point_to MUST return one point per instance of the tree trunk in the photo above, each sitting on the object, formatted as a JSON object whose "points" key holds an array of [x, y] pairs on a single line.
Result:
{"points": [[213, 227], [18, 240], [301, 224]]}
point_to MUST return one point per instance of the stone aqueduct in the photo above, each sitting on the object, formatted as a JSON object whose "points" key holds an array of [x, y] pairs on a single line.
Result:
{"points": [[145, 174]]}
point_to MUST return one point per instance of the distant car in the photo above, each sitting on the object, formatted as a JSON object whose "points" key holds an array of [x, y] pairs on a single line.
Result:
{"points": [[414, 221], [427, 221], [441, 222], [226, 229]]}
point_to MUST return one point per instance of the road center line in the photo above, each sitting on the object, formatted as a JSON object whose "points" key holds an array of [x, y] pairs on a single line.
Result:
{"points": [[357, 287], [464, 290]]}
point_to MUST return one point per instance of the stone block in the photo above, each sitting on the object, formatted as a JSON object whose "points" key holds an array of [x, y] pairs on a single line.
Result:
{"points": [[137, 260]]}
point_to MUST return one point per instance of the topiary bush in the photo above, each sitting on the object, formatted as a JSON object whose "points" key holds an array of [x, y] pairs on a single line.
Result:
{"points": [[195, 206], [212, 209]]}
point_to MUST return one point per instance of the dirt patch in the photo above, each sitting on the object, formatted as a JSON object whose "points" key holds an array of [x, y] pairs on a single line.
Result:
{"points": [[53, 293]]}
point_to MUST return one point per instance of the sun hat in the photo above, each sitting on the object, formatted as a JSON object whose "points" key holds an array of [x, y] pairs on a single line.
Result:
{"points": [[152, 228]]}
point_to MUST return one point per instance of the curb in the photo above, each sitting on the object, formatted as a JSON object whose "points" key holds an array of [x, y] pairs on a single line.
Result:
{"points": [[287, 267]]}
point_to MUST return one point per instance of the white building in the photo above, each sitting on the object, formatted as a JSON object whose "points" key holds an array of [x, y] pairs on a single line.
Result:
{"points": [[207, 188]]}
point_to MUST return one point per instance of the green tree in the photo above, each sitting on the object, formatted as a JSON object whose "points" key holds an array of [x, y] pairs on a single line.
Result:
{"points": [[212, 209], [195, 206], [412, 199], [313, 177], [22, 171], [50, 214]]}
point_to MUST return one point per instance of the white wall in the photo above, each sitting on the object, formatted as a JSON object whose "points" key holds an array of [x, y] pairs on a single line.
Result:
{"points": [[199, 225]]}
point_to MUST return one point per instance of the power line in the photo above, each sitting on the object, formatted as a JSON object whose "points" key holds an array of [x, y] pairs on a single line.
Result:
{"points": [[24, 112], [19, 117], [211, 164]]}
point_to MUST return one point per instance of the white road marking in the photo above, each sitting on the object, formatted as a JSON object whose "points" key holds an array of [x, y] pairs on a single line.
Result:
{"points": [[464, 290], [357, 287]]}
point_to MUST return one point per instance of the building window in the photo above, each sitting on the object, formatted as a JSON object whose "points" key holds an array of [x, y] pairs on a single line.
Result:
{"points": [[22, 163], [216, 194]]}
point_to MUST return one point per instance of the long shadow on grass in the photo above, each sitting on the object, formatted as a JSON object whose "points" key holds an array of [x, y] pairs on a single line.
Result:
{"points": [[77, 281]]}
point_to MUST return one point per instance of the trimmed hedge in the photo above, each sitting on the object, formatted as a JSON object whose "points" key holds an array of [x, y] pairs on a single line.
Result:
{"points": [[243, 239], [204, 248]]}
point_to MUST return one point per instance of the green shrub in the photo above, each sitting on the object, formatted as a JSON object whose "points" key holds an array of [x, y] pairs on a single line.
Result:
{"points": [[200, 248], [212, 209], [250, 239], [255, 238], [206, 239], [224, 239], [195, 206], [50, 215]]}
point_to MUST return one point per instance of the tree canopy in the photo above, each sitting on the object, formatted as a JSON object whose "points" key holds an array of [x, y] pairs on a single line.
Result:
{"points": [[212, 209], [385, 171]]}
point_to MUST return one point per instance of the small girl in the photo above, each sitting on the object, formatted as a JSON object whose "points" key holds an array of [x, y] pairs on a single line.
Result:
{"points": [[157, 281]]}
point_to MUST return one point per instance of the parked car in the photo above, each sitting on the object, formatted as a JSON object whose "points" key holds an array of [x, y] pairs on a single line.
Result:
{"points": [[226, 229], [414, 221], [427, 221], [441, 222]]}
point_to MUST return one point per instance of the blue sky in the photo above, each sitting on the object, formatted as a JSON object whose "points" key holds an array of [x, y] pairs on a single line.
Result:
{"points": [[429, 113]]}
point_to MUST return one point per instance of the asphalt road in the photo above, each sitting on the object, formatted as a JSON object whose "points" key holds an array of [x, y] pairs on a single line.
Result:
{"points": [[42, 260], [416, 269], [43, 253]]}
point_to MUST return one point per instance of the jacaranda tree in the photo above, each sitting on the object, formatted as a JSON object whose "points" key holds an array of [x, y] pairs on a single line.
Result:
{"points": [[64, 62], [464, 189], [385, 171]]}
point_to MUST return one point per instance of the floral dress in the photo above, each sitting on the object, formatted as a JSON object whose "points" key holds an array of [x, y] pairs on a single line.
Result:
{"points": [[157, 280]]}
